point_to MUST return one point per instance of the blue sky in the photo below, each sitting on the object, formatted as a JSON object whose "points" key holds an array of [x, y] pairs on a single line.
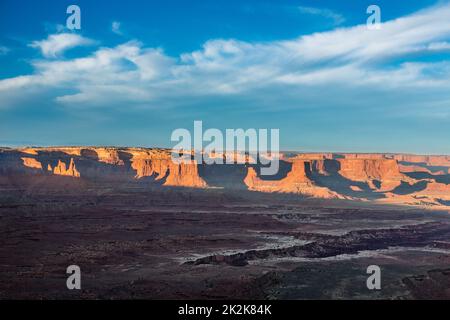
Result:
{"points": [[137, 70]]}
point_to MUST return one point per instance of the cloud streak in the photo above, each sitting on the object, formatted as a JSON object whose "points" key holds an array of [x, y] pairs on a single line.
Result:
{"points": [[4, 50], [337, 18], [347, 61], [57, 44]]}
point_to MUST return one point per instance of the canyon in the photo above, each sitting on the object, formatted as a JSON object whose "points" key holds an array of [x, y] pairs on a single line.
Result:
{"points": [[386, 178], [141, 226]]}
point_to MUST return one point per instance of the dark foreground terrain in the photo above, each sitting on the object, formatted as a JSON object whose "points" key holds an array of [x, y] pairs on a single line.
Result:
{"points": [[134, 242]]}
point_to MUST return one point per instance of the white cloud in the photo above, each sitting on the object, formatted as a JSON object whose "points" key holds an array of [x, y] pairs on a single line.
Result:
{"points": [[347, 61], [326, 13], [439, 46], [56, 44]]}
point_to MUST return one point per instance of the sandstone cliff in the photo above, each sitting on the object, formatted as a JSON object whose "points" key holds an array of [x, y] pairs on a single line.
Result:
{"points": [[383, 177], [62, 170], [427, 160], [381, 174], [173, 174], [296, 182]]}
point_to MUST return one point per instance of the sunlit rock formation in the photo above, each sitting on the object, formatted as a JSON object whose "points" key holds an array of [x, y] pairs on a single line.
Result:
{"points": [[296, 181], [393, 178], [172, 174], [62, 170]]}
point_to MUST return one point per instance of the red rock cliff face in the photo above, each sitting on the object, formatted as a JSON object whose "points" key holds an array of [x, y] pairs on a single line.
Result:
{"points": [[378, 173], [181, 175], [321, 175], [428, 160], [324, 167], [365, 156], [382, 171], [32, 163], [296, 181], [109, 164], [369, 169], [107, 155], [62, 170]]}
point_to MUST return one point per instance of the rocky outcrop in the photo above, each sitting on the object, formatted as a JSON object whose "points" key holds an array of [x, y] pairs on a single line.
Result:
{"points": [[296, 181], [435, 189], [427, 160], [62, 170], [32, 163], [173, 174], [385, 177], [369, 169], [420, 235], [105, 155], [102, 164], [381, 174], [415, 168]]}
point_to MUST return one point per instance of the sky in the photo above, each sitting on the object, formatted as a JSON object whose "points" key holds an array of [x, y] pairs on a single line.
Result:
{"points": [[137, 70]]}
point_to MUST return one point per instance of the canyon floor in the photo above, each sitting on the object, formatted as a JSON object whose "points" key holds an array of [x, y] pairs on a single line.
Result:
{"points": [[139, 242]]}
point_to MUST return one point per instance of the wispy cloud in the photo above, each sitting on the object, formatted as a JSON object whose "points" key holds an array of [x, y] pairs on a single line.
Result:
{"points": [[348, 62], [439, 46], [326, 13], [4, 50], [56, 44]]}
